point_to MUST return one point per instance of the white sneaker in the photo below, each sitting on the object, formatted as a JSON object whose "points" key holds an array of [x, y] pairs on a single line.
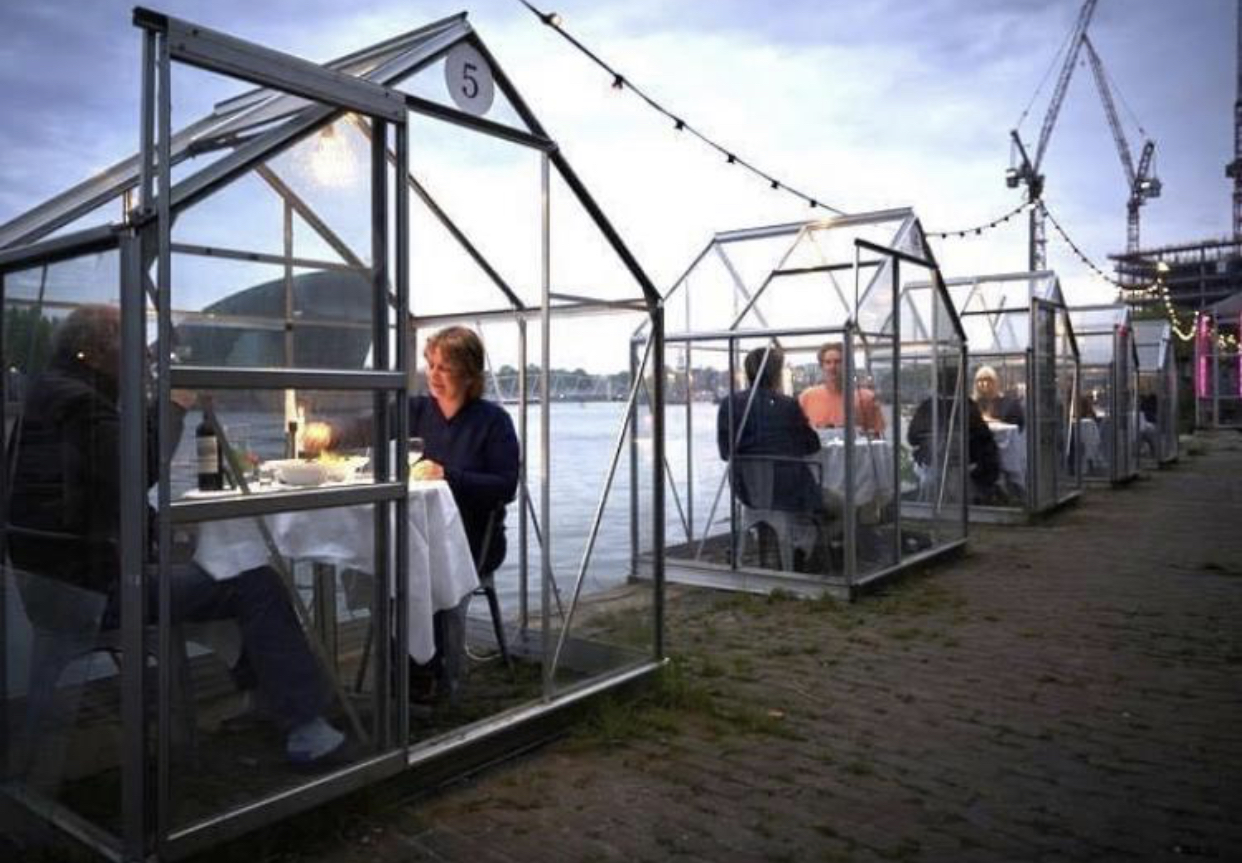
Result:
{"points": [[312, 741]]}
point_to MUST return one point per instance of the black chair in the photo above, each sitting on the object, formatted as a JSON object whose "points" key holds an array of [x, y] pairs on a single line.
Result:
{"points": [[487, 587]]}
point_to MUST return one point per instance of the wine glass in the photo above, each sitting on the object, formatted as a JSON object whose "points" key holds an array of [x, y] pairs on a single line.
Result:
{"points": [[415, 451]]}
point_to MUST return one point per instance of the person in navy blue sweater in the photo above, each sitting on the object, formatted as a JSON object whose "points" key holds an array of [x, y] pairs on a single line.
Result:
{"points": [[470, 443], [467, 441]]}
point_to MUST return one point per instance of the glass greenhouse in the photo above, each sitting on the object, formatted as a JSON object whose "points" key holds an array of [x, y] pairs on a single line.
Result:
{"points": [[1158, 395], [1218, 365], [225, 637], [814, 409], [1106, 424], [1024, 378]]}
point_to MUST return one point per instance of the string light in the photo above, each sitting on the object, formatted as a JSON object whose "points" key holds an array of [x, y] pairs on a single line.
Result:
{"points": [[986, 226], [620, 82]]}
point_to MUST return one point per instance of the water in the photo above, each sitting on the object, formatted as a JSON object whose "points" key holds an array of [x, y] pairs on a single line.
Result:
{"points": [[583, 440]]}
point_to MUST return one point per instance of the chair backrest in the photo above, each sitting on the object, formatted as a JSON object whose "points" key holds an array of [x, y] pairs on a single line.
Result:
{"points": [[48, 568], [778, 482], [494, 520]]}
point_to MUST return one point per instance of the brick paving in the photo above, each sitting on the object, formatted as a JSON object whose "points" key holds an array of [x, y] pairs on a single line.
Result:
{"points": [[1067, 691]]}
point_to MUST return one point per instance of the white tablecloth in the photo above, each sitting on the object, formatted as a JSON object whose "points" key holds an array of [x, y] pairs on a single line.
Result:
{"points": [[1011, 441], [441, 569], [873, 467]]}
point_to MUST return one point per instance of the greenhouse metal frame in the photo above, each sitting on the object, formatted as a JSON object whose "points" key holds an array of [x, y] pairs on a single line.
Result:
{"points": [[1158, 392], [145, 817], [1109, 388], [801, 287], [1017, 325]]}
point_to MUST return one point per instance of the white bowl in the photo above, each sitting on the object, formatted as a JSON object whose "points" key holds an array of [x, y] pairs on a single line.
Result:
{"points": [[298, 472]]}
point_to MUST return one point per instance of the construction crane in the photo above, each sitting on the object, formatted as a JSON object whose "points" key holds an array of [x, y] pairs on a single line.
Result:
{"points": [[1027, 170], [1143, 182], [1234, 169]]}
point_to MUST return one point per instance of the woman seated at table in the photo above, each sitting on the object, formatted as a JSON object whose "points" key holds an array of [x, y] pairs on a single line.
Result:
{"points": [[997, 406], [824, 404], [470, 443]]}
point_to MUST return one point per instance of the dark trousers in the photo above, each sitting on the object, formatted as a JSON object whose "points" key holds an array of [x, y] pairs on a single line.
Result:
{"points": [[274, 649]]}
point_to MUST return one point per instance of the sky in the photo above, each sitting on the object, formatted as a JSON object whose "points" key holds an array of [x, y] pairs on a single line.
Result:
{"points": [[865, 105]]}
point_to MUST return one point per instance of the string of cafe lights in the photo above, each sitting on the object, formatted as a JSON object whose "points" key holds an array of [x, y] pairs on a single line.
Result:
{"points": [[1157, 288], [986, 226], [620, 82], [680, 124], [555, 22]]}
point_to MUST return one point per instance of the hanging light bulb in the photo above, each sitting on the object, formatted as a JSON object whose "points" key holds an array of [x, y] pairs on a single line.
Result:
{"points": [[331, 158]]}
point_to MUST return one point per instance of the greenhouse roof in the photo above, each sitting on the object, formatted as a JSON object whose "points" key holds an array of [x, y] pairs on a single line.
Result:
{"points": [[820, 275]]}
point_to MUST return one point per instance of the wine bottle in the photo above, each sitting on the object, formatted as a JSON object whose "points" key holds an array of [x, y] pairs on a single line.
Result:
{"points": [[210, 459]]}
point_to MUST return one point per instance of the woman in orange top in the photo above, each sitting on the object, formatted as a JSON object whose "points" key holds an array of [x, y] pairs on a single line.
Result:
{"points": [[824, 404]]}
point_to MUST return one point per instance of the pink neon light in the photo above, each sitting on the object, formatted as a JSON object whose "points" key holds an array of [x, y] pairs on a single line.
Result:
{"points": [[1203, 353]]}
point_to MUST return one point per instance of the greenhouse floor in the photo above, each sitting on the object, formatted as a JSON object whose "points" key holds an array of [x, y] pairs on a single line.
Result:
{"points": [[1065, 691]]}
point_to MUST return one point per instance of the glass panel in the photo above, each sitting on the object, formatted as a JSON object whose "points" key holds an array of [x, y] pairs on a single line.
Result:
{"points": [[490, 191], [277, 440], [273, 628], [244, 314], [874, 455], [999, 391], [604, 620], [62, 735], [1094, 419], [1048, 419], [1069, 477]]}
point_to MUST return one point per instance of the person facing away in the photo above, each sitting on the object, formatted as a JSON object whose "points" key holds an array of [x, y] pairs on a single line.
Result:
{"points": [[928, 435], [993, 404], [64, 526], [824, 404], [774, 426]]}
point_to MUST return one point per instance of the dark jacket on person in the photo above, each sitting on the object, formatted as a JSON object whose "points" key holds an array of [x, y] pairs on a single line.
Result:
{"points": [[776, 426], [478, 449], [1009, 408], [981, 446], [65, 503]]}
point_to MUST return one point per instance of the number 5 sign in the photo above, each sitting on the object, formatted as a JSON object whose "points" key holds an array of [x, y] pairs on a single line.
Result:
{"points": [[469, 80]]}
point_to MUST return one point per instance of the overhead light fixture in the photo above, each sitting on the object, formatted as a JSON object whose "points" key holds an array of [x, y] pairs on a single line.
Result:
{"points": [[331, 158]]}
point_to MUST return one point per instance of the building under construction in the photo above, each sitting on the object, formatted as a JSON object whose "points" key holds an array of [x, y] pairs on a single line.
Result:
{"points": [[1197, 275]]}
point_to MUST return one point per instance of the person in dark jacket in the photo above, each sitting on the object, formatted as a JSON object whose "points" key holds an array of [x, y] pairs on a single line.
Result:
{"points": [[774, 426], [930, 440], [64, 527], [470, 443]]}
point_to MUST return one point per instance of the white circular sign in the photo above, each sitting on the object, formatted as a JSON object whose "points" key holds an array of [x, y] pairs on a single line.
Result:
{"points": [[469, 80]]}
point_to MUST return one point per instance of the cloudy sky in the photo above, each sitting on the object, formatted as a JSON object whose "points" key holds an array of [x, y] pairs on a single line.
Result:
{"points": [[864, 103]]}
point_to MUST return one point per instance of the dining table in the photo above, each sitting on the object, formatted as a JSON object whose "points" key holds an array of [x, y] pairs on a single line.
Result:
{"points": [[441, 570], [873, 468]]}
